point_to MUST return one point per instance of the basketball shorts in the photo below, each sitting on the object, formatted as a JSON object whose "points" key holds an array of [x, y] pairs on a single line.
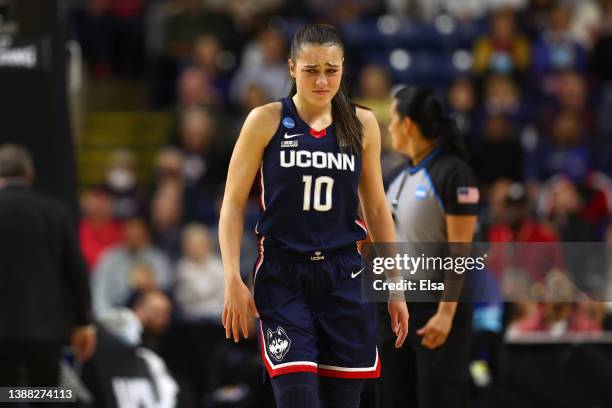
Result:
{"points": [[312, 318]]}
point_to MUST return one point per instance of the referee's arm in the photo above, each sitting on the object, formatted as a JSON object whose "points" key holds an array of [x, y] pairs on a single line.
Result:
{"points": [[459, 229]]}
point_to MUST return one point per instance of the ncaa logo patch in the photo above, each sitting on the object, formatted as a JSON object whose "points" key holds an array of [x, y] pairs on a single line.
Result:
{"points": [[420, 192], [278, 343], [288, 122]]}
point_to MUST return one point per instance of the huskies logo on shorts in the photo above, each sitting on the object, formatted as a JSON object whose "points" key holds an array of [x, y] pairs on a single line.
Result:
{"points": [[278, 343]]}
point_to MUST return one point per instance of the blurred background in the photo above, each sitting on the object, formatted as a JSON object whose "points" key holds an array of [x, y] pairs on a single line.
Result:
{"points": [[131, 109]]}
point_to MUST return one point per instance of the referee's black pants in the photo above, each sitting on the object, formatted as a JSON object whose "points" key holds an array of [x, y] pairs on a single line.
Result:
{"points": [[415, 376], [29, 363]]}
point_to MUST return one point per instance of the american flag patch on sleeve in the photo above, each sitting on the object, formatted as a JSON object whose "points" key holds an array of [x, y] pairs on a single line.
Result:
{"points": [[467, 195]]}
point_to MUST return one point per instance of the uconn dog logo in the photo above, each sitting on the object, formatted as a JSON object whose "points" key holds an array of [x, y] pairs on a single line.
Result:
{"points": [[278, 343]]}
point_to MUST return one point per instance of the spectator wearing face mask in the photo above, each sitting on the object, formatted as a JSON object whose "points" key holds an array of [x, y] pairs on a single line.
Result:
{"points": [[504, 51], [122, 183]]}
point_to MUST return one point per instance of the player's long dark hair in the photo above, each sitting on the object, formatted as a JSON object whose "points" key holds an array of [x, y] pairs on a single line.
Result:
{"points": [[424, 107], [348, 128]]}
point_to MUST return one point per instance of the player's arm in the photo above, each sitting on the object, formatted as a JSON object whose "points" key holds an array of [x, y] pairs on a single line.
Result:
{"points": [[371, 190], [376, 212], [258, 129]]}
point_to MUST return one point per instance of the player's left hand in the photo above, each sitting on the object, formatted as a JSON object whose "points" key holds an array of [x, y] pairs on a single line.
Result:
{"points": [[436, 331], [83, 341], [398, 310]]}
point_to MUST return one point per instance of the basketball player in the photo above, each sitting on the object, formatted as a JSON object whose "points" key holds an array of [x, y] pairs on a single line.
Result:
{"points": [[318, 157]]}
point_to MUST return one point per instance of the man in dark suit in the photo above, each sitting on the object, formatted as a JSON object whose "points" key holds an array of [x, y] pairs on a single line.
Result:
{"points": [[44, 287]]}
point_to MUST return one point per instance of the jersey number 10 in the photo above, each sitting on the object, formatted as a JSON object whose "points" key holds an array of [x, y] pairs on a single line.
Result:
{"points": [[319, 182]]}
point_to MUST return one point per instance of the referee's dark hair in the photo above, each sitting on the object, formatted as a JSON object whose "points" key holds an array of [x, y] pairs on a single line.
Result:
{"points": [[424, 108], [15, 162]]}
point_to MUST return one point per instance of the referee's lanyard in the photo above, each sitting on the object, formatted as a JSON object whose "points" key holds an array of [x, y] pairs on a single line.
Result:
{"points": [[395, 201]]}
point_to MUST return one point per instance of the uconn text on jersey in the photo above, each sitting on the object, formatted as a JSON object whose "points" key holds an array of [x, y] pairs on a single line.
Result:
{"points": [[319, 160]]}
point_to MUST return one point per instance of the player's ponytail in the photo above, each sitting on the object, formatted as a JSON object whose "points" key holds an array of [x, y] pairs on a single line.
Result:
{"points": [[423, 107], [348, 128]]}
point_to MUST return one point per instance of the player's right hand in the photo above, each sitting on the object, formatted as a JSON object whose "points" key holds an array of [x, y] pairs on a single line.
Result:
{"points": [[238, 304], [398, 311]]}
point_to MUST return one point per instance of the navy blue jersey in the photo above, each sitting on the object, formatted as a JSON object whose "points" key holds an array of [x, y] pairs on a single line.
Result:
{"points": [[308, 188]]}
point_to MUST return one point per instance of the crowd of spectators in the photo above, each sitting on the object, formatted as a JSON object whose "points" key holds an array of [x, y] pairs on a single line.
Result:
{"points": [[534, 104]]}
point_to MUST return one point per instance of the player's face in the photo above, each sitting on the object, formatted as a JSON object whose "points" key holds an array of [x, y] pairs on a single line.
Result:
{"points": [[317, 71]]}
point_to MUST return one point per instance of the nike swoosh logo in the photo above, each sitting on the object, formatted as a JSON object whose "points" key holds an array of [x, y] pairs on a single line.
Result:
{"points": [[355, 274], [288, 136]]}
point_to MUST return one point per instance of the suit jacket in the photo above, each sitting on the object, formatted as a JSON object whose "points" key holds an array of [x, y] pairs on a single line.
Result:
{"points": [[44, 285]]}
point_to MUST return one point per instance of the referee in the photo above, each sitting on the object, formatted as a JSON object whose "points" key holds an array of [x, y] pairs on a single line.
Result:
{"points": [[44, 289], [433, 200]]}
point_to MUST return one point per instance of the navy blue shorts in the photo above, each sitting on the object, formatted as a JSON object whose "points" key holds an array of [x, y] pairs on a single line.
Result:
{"points": [[312, 318]]}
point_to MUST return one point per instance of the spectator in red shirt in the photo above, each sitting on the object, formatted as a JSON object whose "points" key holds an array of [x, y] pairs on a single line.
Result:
{"points": [[97, 230], [529, 263]]}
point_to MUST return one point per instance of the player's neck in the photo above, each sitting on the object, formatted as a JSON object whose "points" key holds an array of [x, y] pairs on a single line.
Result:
{"points": [[313, 115]]}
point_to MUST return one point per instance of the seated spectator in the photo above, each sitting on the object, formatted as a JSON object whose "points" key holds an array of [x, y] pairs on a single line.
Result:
{"points": [[188, 19], [166, 215], [499, 154], [338, 12], [462, 102], [122, 183], [601, 56], [588, 17], [169, 167], [195, 88], [550, 156], [556, 51], [153, 309], [466, 10], [564, 211], [502, 96], [248, 14], [494, 210], [556, 319], [98, 230], [205, 164], [559, 313], [525, 265], [374, 93], [205, 79], [199, 277], [132, 265], [263, 63], [572, 94], [504, 51]]}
